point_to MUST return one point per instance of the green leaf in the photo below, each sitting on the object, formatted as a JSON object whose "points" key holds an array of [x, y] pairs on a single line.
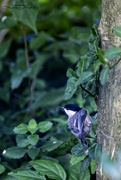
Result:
{"points": [[84, 78], [52, 169], [91, 151], [26, 15], [82, 65], [14, 152], [101, 57], [112, 53], [93, 166], [8, 23], [33, 152], [79, 150], [21, 141], [70, 73], [51, 145], [44, 126], [33, 139], [2, 169], [70, 88], [27, 175], [104, 75], [86, 164], [74, 160], [40, 40], [1, 118], [75, 172], [86, 175], [32, 126], [98, 151], [117, 31], [21, 129], [17, 78], [4, 48]]}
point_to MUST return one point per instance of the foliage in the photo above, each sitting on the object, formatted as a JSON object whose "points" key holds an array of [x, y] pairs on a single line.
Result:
{"points": [[43, 40]]}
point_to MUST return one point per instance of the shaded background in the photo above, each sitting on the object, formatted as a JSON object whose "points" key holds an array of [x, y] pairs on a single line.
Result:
{"points": [[37, 90]]}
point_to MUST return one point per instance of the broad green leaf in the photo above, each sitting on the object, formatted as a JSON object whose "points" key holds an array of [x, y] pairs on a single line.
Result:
{"points": [[21, 129], [32, 126], [74, 160], [26, 15], [27, 175], [86, 164], [117, 31], [33, 152], [79, 150], [51, 169], [21, 141], [70, 88], [104, 75], [51, 145], [33, 139], [93, 167], [75, 172], [84, 78], [2, 169], [112, 53], [58, 120], [44, 126], [70, 73], [4, 48], [14, 152]]}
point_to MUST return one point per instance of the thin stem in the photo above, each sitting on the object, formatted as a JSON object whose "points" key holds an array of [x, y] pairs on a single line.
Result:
{"points": [[115, 63], [26, 48], [95, 97]]}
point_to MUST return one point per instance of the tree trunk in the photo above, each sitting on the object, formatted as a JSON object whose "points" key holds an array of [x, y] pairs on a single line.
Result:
{"points": [[109, 100]]}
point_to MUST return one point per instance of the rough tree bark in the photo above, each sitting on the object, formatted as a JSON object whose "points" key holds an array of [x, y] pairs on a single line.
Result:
{"points": [[109, 103]]}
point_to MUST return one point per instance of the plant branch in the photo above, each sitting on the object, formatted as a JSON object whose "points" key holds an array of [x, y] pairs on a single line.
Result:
{"points": [[95, 97], [115, 63]]}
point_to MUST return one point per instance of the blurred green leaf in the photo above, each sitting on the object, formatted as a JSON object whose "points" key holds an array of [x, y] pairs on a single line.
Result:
{"points": [[104, 75], [117, 31], [112, 53], [14, 152], [82, 64], [8, 23], [40, 40], [70, 73], [44, 126], [4, 48], [1, 118], [51, 169], [101, 57], [33, 139], [27, 175], [26, 15], [93, 166], [2, 169], [21, 129], [70, 88], [84, 78]]}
